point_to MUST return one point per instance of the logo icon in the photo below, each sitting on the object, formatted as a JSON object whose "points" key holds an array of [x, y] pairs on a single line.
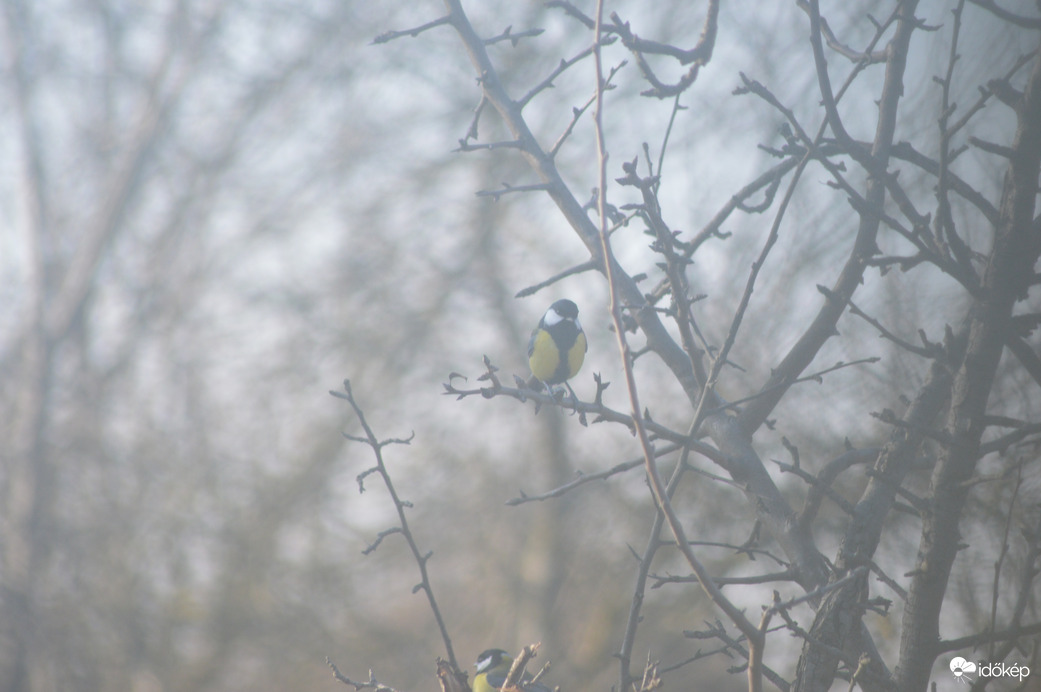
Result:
{"points": [[961, 669]]}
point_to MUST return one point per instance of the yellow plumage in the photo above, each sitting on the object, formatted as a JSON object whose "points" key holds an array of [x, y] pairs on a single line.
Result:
{"points": [[543, 356]]}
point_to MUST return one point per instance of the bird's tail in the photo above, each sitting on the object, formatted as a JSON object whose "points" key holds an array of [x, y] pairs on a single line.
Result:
{"points": [[535, 384]]}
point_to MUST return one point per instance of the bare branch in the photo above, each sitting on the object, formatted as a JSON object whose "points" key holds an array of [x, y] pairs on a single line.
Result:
{"points": [[1018, 20], [859, 57], [929, 352], [986, 93], [654, 542], [465, 145], [403, 526], [974, 640], [371, 683], [514, 39], [572, 11], [906, 152], [509, 189], [577, 269], [864, 246], [557, 71], [659, 488], [1006, 279], [576, 113], [992, 148], [392, 35], [697, 56], [583, 478]]}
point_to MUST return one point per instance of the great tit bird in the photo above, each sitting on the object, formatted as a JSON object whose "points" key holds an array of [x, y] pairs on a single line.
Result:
{"points": [[493, 666], [558, 344]]}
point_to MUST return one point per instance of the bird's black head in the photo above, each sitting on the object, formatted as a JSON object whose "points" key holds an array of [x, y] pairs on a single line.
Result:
{"points": [[565, 308], [491, 658]]}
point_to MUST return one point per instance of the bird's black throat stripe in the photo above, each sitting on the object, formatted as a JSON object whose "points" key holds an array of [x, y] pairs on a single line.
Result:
{"points": [[564, 333]]}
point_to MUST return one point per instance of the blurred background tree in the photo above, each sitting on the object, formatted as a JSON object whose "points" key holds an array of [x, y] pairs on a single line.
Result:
{"points": [[213, 212]]}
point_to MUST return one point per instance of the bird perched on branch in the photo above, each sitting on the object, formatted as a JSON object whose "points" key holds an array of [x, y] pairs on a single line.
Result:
{"points": [[558, 345], [493, 666]]}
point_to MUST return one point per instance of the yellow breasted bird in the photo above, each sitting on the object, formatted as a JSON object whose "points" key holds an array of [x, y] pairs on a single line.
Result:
{"points": [[493, 666], [558, 344]]}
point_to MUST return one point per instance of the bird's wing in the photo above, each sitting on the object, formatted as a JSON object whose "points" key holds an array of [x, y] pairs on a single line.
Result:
{"points": [[496, 680]]}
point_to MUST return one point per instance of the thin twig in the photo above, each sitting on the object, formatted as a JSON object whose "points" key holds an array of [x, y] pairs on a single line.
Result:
{"points": [[399, 505], [643, 570], [372, 683], [583, 478], [392, 35], [658, 486], [535, 288]]}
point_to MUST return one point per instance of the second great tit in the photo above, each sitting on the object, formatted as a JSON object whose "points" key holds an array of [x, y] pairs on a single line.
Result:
{"points": [[558, 344], [493, 666]]}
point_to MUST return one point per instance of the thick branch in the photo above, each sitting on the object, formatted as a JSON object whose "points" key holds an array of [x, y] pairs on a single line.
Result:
{"points": [[1008, 274]]}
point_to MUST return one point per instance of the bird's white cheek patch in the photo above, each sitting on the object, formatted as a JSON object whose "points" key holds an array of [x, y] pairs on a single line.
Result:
{"points": [[552, 317], [578, 324]]}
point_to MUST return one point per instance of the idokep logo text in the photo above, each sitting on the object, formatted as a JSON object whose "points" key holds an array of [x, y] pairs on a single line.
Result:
{"points": [[963, 670]]}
